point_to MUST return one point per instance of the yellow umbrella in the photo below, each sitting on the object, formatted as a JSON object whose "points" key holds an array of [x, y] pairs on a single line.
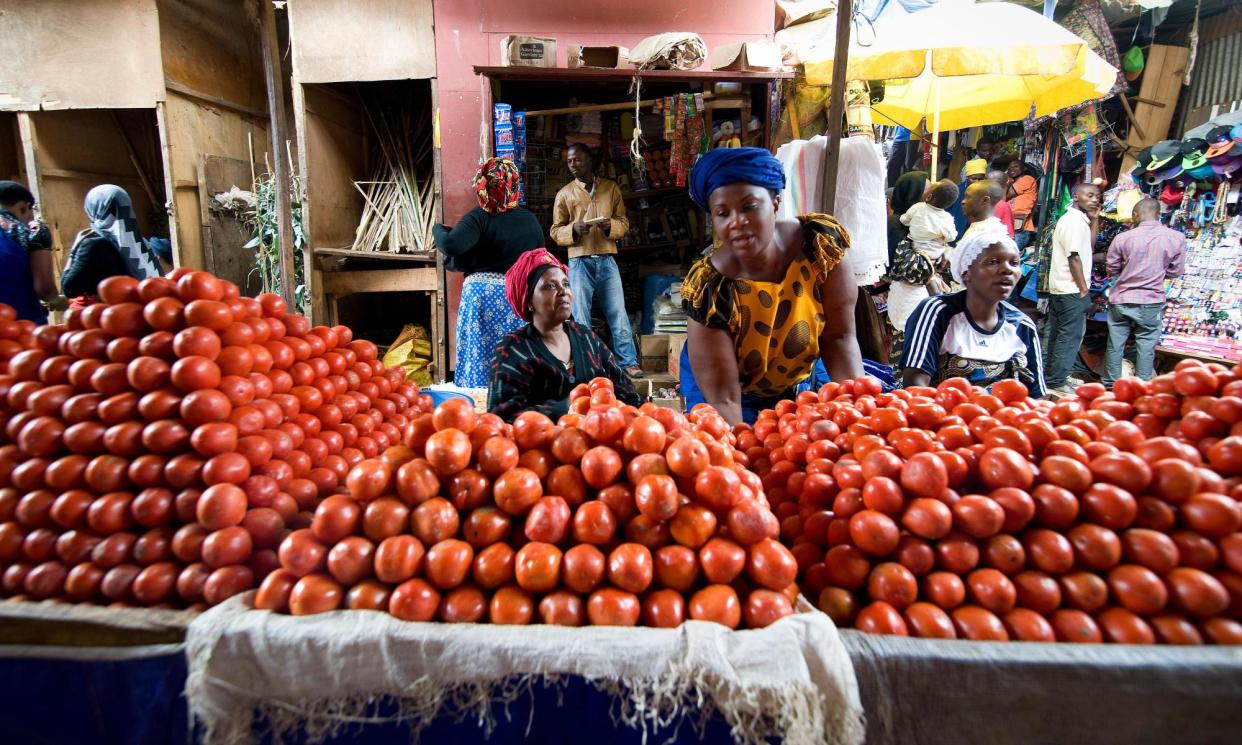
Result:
{"points": [[962, 64]]}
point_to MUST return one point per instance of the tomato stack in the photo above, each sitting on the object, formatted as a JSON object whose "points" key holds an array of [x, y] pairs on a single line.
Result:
{"points": [[158, 445], [610, 516], [954, 512]]}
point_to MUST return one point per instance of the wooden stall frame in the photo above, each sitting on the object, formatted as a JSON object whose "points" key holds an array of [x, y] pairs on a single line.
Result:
{"points": [[401, 46]]}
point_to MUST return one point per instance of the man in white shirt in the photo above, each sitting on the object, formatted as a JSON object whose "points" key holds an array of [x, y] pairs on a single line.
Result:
{"points": [[1069, 275]]}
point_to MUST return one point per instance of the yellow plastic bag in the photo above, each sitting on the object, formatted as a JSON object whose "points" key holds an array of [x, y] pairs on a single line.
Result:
{"points": [[411, 351]]}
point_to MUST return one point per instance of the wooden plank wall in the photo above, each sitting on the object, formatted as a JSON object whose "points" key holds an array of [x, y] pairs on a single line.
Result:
{"points": [[362, 40], [1162, 82], [64, 54], [215, 105]]}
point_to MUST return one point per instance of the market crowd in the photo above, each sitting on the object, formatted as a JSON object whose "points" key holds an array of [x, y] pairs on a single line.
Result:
{"points": [[770, 305]]}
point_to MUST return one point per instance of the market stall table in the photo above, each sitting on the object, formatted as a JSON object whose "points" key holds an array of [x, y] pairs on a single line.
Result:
{"points": [[328, 673], [82, 673], [1168, 356], [924, 692]]}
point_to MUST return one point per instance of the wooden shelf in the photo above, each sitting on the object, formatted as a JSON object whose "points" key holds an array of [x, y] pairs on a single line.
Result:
{"points": [[623, 75], [347, 253]]}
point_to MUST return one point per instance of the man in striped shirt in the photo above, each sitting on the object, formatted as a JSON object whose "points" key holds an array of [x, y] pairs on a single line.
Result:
{"points": [[1140, 259]]}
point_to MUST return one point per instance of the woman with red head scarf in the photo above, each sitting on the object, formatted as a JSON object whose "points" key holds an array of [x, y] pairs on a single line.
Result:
{"points": [[536, 367], [483, 245]]}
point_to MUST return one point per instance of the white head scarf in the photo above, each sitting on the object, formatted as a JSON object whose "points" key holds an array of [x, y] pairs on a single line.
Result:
{"points": [[112, 216], [970, 247]]}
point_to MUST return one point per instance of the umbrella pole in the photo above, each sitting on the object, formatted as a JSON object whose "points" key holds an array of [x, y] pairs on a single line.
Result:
{"points": [[836, 110], [935, 127]]}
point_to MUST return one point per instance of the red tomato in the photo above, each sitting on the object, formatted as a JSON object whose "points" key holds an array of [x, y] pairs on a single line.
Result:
{"points": [[716, 603], [1002, 466], [978, 624], [881, 618]]}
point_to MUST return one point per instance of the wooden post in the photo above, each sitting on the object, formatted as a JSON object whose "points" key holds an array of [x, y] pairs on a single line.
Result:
{"points": [[836, 111], [34, 179], [274, 78]]}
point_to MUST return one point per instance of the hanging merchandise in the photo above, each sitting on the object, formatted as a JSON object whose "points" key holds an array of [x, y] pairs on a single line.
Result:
{"points": [[679, 144]]}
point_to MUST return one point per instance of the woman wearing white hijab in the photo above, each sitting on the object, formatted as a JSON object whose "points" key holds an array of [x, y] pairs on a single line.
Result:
{"points": [[974, 333], [111, 246]]}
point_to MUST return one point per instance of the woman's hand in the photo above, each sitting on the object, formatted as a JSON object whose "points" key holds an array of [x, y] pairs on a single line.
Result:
{"points": [[714, 362]]}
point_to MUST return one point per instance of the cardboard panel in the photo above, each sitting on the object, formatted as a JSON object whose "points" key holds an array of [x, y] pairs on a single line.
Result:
{"points": [[81, 54], [335, 155], [212, 47], [1162, 82], [356, 40], [195, 129]]}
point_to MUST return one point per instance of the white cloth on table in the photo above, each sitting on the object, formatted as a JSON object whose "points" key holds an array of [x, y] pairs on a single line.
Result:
{"points": [[317, 674]]}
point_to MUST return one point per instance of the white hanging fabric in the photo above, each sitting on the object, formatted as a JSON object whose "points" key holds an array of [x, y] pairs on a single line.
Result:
{"points": [[860, 197]]}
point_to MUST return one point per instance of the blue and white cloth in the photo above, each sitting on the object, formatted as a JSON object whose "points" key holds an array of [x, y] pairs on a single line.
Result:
{"points": [[484, 318]]}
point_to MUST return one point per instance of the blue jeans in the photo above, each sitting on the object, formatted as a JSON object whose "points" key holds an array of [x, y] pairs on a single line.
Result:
{"points": [[598, 275], [1144, 321], [1022, 238], [1066, 325]]}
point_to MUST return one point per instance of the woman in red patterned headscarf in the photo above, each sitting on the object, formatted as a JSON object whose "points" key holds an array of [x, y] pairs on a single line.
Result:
{"points": [[483, 245], [537, 366]]}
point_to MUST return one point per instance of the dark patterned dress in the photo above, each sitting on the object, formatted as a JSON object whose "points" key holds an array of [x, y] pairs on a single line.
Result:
{"points": [[526, 376]]}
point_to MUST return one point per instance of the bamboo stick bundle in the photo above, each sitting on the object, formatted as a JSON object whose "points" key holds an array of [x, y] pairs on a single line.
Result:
{"points": [[399, 203]]}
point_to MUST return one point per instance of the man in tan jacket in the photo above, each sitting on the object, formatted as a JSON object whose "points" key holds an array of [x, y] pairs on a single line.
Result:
{"points": [[588, 217]]}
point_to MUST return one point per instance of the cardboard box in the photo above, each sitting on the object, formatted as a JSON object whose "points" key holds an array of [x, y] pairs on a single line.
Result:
{"points": [[654, 353], [676, 404], [610, 58], [652, 384], [746, 55], [675, 343], [528, 51]]}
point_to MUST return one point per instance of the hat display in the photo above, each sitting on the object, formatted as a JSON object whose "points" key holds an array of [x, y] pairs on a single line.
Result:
{"points": [[1218, 154], [1219, 142], [1172, 193], [1227, 165], [1163, 152]]}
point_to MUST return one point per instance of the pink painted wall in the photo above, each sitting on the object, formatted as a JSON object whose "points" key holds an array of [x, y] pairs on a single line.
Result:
{"points": [[469, 33]]}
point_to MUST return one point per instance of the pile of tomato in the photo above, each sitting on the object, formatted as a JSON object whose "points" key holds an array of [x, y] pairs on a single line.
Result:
{"points": [[953, 512], [609, 516], [157, 446]]}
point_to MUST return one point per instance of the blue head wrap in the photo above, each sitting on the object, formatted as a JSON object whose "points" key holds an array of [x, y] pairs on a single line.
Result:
{"points": [[732, 165]]}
